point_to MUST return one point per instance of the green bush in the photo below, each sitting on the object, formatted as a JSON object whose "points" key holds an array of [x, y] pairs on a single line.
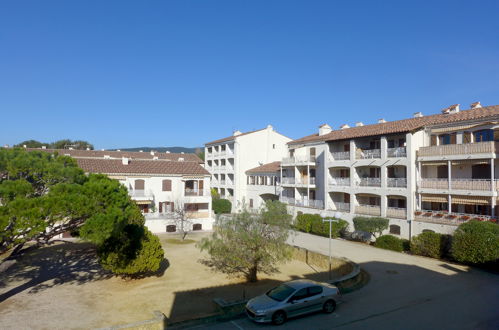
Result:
{"points": [[138, 252], [221, 206], [428, 244], [373, 225], [476, 242], [312, 223], [389, 242]]}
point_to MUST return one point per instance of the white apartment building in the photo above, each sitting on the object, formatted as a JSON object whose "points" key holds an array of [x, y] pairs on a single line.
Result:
{"points": [[409, 171], [163, 185], [263, 183], [229, 158]]}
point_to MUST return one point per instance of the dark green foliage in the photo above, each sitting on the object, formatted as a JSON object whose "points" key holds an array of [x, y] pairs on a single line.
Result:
{"points": [[429, 244], [61, 144], [214, 194], [313, 224], [389, 242], [373, 225], [44, 195], [134, 251], [32, 144], [221, 206], [246, 244], [476, 242]]}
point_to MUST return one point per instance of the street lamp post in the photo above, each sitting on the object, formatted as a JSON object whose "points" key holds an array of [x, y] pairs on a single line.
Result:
{"points": [[336, 215]]}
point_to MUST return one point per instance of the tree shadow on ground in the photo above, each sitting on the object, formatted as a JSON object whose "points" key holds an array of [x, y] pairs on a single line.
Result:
{"points": [[60, 263]]}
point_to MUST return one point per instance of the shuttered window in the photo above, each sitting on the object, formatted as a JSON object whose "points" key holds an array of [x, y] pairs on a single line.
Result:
{"points": [[139, 184], [167, 185]]}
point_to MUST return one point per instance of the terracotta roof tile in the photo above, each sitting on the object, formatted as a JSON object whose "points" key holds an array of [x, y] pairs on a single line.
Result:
{"points": [[266, 168], [401, 126], [115, 166], [120, 154]]}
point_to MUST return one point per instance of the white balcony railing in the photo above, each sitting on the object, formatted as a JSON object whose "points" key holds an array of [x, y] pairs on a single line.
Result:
{"points": [[488, 147], [471, 184], [288, 180], [298, 160], [397, 152], [452, 218], [368, 209], [369, 182], [141, 194], [221, 168], [397, 182], [318, 204], [222, 182], [368, 153], [339, 181], [343, 155], [196, 192], [396, 212], [433, 183], [340, 206]]}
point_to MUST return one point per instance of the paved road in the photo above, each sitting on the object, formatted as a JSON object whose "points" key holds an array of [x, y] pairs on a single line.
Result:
{"points": [[405, 292]]}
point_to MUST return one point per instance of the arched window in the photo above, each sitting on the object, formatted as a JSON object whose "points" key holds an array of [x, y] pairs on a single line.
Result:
{"points": [[171, 228], [197, 226], [394, 229]]}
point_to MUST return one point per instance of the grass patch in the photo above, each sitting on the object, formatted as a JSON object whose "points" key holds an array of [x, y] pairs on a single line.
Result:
{"points": [[178, 241]]}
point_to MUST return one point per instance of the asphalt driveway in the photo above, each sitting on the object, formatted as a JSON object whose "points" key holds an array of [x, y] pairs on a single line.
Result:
{"points": [[405, 292]]}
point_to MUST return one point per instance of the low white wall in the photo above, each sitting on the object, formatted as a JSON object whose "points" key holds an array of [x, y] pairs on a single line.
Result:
{"points": [[159, 225]]}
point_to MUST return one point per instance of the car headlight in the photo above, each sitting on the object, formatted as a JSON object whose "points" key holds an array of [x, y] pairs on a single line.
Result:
{"points": [[260, 312]]}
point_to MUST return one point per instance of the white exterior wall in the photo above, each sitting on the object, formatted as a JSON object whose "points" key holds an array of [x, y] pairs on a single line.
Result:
{"points": [[255, 192]]}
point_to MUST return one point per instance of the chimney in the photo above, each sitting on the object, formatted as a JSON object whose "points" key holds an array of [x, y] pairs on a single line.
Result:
{"points": [[418, 114], [167, 152], [180, 159], [155, 158], [359, 123], [344, 126], [182, 152], [324, 129], [102, 150], [44, 147], [89, 148], [124, 161], [118, 150], [152, 153], [141, 150], [24, 146], [236, 133], [70, 148], [475, 105], [381, 121], [452, 109], [269, 127]]}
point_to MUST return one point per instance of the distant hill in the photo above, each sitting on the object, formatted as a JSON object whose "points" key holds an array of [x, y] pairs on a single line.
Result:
{"points": [[164, 149]]}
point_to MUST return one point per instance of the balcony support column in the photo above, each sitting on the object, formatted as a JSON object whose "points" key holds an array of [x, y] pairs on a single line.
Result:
{"points": [[384, 204], [353, 150], [384, 176], [449, 174], [449, 204], [384, 147], [353, 202], [493, 207], [492, 176]]}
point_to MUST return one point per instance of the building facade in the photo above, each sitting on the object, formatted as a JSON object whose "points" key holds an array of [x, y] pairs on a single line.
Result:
{"points": [[263, 184], [229, 158], [411, 171]]}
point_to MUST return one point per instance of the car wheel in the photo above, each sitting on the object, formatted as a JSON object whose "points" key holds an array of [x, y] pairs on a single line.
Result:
{"points": [[279, 318], [329, 306]]}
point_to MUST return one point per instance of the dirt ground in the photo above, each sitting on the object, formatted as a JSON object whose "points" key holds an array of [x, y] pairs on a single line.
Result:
{"points": [[63, 287]]}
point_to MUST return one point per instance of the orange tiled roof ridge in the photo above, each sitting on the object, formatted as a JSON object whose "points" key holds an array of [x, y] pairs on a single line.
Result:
{"points": [[266, 168]]}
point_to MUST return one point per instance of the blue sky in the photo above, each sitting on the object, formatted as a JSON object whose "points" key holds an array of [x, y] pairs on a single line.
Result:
{"points": [[165, 73]]}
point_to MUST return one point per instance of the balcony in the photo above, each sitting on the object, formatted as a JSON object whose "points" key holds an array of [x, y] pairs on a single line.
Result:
{"points": [[489, 147], [222, 182], [303, 160], [196, 192], [302, 202], [221, 168], [305, 181], [229, 153], [339, 182], [397, 152], [288, 180], [434, 183], [340, 206], [396, 212], [369, 182], [472, 184], [368, 153], [443, 217], [343, 155], [368, 209], [397, 182], [141, 194]]}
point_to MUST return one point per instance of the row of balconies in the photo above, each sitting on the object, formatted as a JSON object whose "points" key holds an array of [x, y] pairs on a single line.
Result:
{"points": [[224, 153], [313, 203], [298, 181], [139, 194], [459, 184], [369, 154], [373, 210], [369, 182], [298, 160], [489, 147], [220, 168]]}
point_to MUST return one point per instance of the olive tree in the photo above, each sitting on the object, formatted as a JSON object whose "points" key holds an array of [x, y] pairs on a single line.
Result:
{"points": [[245, 244]]}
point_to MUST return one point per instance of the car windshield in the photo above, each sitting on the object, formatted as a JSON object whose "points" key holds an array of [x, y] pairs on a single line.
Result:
{"points": [[281, 292]]}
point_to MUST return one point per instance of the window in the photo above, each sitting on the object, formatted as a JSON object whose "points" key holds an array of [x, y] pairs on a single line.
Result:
{"points": [[394, 229], [300, 294], [273, 146], [171, 228], [139, 184], [197, 226], [251, 202], [313, 290], [484, 135], [167, 185]]}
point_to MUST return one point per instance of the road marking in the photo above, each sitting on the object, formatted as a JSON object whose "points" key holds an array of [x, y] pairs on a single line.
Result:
{"points": [[237, 325]]}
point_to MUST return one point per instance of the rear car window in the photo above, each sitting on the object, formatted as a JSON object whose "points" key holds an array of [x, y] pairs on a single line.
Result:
{"points": [[313, 290]]}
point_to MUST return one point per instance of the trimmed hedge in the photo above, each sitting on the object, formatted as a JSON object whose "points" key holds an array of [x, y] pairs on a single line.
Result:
{"points": [[221, 206], [373, 225], [312, 223], [429, 244], [476, 242], [389, 242]]}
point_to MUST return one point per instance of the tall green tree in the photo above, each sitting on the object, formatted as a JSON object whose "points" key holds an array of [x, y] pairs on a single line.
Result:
{"points": [[246, 244]]}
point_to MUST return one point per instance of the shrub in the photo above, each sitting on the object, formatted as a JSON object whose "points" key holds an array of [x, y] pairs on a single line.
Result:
{"points": [[312, 223], [476, 242], [373, 225], [221, 206], [428, 244], [139, 252], [389, 242]]}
